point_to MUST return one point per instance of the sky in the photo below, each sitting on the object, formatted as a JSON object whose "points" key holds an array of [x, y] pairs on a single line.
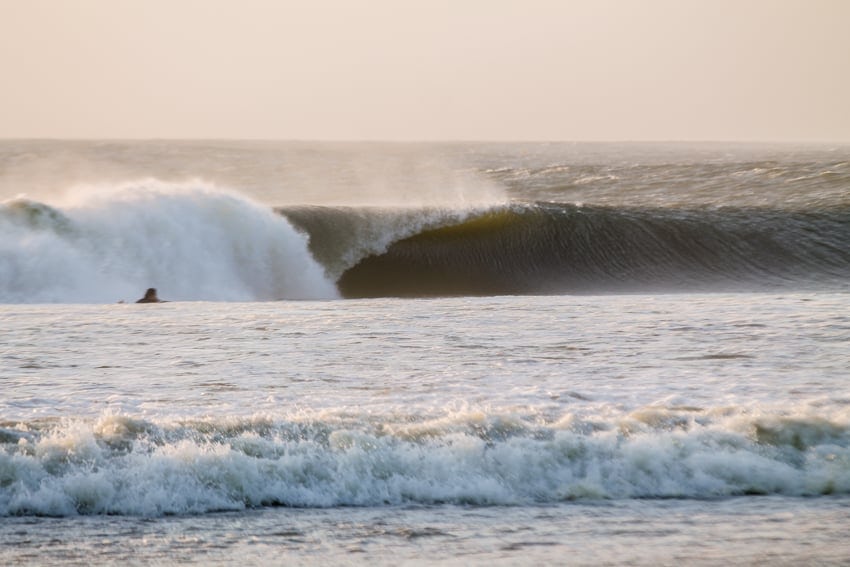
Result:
{"points": [[736, 70]]}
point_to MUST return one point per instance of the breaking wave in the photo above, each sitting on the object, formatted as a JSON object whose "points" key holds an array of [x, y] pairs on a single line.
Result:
{"points": [[197, 242], [192, 241], [131, 466], [565, 248]]}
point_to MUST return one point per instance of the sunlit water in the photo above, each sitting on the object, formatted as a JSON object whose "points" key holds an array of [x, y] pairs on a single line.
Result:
{"points": [[611, 421], [589, 430]]}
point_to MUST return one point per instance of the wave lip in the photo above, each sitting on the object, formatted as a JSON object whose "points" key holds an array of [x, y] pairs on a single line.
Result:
{"points": [[128, 466]]}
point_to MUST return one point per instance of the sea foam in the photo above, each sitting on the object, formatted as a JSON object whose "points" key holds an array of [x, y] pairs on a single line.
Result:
{"points": [[191, 241], [124, 465]]}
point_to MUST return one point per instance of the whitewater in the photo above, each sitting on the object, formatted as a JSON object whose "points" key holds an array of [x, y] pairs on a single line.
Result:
{"points": [[405, 353]]}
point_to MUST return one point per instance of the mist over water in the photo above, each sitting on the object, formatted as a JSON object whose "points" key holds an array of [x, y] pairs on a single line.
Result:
{"points": [[273, 173]]}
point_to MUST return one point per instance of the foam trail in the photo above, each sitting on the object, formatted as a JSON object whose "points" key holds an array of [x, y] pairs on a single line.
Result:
{"points": [[192, 241]]}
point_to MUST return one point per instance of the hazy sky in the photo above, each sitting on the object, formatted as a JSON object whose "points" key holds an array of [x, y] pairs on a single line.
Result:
{"points": [[426, 70]]}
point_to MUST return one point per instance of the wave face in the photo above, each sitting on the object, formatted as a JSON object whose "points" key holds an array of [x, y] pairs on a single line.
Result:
{"points": [[192, 241], [127, 466], [564, 248], [341, 237]]}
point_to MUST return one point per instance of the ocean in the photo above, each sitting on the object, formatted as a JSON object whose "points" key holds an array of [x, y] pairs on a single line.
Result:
{"points": [[407, 353]]}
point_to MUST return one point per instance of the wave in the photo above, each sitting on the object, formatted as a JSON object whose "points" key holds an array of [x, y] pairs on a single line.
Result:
{"points": [[568, 248], [131, 466], [342, 236], [197, 242], [190, 240]]}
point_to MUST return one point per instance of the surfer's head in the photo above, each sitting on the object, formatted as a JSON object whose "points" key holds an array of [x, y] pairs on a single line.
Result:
{"points": [[150, 296]]}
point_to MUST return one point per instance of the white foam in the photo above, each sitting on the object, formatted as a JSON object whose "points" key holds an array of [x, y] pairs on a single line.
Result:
{"points": [[119, 465], [191, 241]]}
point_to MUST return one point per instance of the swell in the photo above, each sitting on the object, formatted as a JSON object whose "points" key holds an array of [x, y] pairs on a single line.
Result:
{"points": [[544, 248]]}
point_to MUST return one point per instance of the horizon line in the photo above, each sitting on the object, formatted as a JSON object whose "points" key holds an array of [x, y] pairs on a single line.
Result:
{"points": [[750, 141]]}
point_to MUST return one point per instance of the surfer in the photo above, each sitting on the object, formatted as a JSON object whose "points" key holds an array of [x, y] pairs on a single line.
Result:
{"points": [[150, 297]]}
